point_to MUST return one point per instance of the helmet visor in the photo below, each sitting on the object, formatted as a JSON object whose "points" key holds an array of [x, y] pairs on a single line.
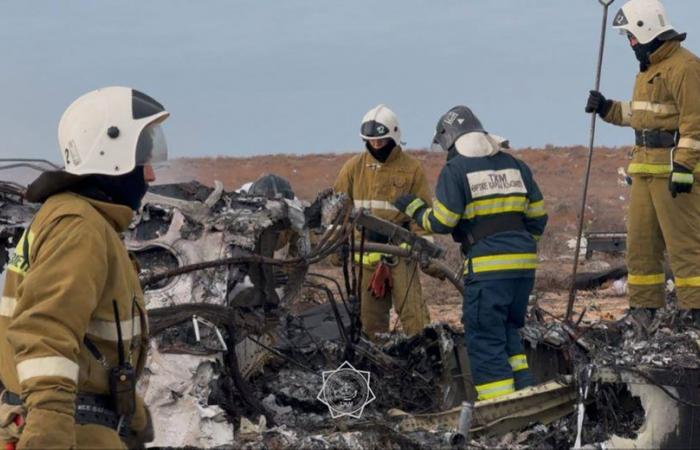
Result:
{"points": [[374, 130], [436, 145], [151, 147]]}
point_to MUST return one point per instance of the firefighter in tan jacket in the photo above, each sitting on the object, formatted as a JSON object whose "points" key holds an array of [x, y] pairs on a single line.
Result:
{"points": [[71, 289], [373, 179], [665, 199]]}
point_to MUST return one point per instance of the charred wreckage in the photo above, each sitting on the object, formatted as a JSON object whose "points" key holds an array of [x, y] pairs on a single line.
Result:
{"points": [[245, 339]]}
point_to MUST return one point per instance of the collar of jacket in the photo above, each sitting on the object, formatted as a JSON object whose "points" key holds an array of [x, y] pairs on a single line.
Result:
{"points": [[119, 216], [395, 153], [664, 52]]}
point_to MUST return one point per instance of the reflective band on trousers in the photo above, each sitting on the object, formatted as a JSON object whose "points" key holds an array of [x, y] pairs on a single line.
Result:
{"points": [[495, 206], [444, 215], [375, 204], [515, 261], [48, 366], [646, 280], [656, 108], [535, 209], [687, 282], [518, 362], [7, 306], [495, 389], [658, 169]]}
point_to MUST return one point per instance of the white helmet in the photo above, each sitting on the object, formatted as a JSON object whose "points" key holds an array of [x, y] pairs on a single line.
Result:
{"points": [[110, 131], [646, 20], [379, 123]]}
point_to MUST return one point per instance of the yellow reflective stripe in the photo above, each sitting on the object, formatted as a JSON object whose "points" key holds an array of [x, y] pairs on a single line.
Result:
{"points": [[685, 178], [495, 206], [646, 280], [649, 168], [368, 259], [107, 330], [687, 282], [514, 261], [535, 209], [375, 204], [495, 389], [414, 206], [444, 215], [426, 220], [656, 108], [626, 112], [518, 362], [687, 142], [19, 263], [7, 306], [48, 366]]}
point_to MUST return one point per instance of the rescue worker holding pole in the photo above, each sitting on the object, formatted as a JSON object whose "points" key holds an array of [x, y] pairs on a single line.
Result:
{"points": [[490, 203], [72, 317], [664, 210], [372, 180]]}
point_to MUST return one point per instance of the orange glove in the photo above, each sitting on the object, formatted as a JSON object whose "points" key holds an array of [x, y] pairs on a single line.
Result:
{"points": [[381, 282]]}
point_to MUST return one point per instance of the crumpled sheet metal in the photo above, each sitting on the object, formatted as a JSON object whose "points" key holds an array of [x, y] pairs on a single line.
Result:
{"points": [[198, 287], [176, 387]]}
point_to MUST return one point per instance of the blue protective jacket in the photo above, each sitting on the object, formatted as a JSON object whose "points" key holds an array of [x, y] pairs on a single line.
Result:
{"points": [[484, 190]]}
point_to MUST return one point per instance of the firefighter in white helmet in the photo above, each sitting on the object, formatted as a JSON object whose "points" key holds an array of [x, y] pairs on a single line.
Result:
{"points": [[72, 319], [373, 179], [665, 199]]}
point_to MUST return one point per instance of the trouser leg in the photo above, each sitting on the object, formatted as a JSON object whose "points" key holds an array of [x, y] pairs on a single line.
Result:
{"points": [[679, 219], [645, 248], [97, 437], [485, 315], [374, 312], [520, 289], [407, 297]]}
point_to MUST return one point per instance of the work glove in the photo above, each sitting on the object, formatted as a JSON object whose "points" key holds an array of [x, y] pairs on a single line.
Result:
{"points": [[598, 103], [11, 422], [681, 180], [409, 204], [381, 283]]}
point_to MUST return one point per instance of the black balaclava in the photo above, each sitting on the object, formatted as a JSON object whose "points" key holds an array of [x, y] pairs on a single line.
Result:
{"points": [[644, 51], [128, 189], [383, 153]]}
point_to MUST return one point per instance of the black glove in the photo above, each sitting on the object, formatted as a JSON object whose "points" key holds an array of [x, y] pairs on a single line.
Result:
{"points": [[681, 180], [409, 204], [598, 103]]}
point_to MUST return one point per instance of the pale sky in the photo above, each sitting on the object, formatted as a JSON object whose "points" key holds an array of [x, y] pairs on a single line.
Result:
{"points": [[247, 77]]}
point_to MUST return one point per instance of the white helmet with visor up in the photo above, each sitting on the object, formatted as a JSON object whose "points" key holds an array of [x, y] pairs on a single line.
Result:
{"points": [[110, 131], [646, 20]]}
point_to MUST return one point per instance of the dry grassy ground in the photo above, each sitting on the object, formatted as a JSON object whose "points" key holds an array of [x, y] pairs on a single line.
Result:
{"points": [[558, 171]]}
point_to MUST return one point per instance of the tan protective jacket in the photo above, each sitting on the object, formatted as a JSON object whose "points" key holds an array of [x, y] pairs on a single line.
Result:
{"points": [[374, 185], [59, 292], [666, 97]]}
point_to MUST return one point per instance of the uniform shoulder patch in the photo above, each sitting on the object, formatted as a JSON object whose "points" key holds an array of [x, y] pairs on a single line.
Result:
{"points": [[496, 182]]}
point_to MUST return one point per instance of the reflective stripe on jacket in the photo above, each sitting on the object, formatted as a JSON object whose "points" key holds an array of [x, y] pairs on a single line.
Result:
{"points": [[473, 189]]}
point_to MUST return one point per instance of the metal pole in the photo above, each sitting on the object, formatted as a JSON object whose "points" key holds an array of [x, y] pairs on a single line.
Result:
{"points": [[572, 290]]}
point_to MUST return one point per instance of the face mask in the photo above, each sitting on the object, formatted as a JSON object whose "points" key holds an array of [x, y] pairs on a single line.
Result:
{"points": [[644, 51]]}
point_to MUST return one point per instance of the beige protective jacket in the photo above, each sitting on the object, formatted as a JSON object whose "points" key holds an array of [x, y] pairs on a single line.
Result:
{"points": [[55, 295], [374, 185], [666, 97]]}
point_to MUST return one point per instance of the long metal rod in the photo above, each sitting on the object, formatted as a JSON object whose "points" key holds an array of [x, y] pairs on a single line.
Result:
{"points": [[599, 68]]}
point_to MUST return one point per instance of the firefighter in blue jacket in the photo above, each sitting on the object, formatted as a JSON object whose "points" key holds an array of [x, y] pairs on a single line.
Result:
{"points": [[489, 201]]}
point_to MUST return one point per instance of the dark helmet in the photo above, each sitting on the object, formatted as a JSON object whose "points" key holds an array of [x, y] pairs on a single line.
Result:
{"points": [[272, 186], [457, 122]]}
